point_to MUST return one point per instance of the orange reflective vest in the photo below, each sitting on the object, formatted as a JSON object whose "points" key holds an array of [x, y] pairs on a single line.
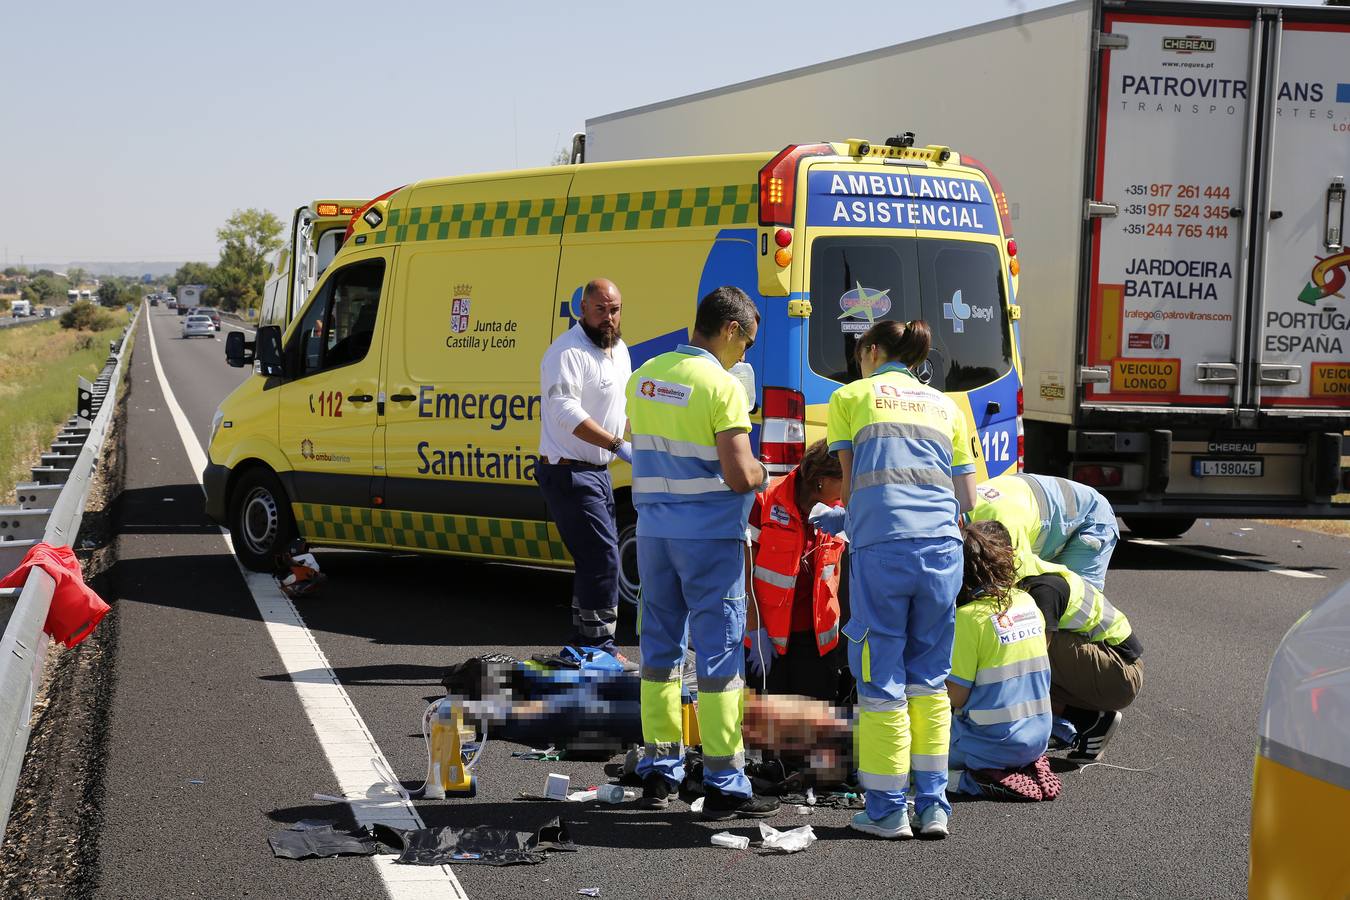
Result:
{"points": [[781, 535]]}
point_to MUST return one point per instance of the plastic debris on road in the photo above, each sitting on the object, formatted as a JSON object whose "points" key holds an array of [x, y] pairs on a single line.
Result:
{"points": [[556, 786], [731, 841], [581, 796], [696, 806], [589, 892], [790, 841], [548, 754]]}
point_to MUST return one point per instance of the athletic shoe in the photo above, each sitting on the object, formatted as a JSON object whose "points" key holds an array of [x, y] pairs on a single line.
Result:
{"points": [[894, 827], [933, 823], [656, 791], [1046, 778], [1006, 784], [718, 806], [1093, 739]]}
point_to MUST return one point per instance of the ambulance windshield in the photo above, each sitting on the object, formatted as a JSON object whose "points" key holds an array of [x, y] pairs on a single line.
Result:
{"points": [[954, 285]]}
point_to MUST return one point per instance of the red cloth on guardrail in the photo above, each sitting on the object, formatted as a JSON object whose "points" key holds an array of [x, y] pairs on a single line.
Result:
{"points": [[76, 609]]}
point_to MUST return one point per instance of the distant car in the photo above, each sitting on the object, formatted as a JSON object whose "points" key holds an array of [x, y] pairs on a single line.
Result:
{"points": [[198, 326], [172, 304], [212, 314], [154, 301]]}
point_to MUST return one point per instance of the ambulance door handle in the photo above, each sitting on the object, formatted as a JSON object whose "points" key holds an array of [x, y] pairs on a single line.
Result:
{"points": [[360, 398], [403, 398], [1276, 214], [1235, 212]]}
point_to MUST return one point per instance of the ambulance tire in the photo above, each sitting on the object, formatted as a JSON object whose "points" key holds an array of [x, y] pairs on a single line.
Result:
{"points": [[628, 570], [1158, 527], [261, 525]]}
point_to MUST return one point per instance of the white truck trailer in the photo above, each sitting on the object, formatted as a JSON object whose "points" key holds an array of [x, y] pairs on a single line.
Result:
{"points": [[1176, 178]]}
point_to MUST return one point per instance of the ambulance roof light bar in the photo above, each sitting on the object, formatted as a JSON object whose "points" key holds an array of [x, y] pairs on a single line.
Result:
{"points": [[778, 182]]}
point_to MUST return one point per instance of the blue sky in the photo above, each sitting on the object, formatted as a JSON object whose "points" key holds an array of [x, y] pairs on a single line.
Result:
{"points": [[132, 129]]}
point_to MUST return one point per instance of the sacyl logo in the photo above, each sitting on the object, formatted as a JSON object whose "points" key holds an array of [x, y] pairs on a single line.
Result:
{"points": [[958, 312]]}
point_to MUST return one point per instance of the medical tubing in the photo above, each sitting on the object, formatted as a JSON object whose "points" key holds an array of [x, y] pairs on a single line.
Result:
{"points": [[759, 645]]}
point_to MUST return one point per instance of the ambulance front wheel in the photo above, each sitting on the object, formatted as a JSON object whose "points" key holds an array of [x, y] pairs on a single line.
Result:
{"points": [[628, 564], [260, 520]]}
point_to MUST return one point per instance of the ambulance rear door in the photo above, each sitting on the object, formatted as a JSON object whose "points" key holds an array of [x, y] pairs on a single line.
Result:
{"points": [[1301, 335], [1172, 184]]}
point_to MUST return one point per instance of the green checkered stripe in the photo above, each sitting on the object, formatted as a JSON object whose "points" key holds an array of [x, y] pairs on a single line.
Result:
{"points": [[732, 204], [466, 535]]}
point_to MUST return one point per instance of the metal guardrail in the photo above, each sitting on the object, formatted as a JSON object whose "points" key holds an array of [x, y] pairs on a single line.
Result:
{"points": [[50, 509], [11, 322]]}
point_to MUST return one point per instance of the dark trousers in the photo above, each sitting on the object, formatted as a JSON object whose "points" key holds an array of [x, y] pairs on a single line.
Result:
{"points": [[580, 499], [803, 671]]}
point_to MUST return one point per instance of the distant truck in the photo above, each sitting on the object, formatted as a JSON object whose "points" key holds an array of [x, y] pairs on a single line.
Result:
{"points": [[189, 297], [317, 232], [20, 309], [1176, 180], [72, 296]]}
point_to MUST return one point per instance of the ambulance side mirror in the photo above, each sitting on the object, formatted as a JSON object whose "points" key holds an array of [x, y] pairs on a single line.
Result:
{"points": [[267, 350], [237, 353]]}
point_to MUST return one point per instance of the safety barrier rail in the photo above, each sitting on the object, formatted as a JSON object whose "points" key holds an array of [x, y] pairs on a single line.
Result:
{"points": [[9, 322], [50, 508]]}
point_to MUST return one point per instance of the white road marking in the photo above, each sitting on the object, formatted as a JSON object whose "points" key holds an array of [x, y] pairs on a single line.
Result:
{"points": [[1228, 558], [352, 751]]}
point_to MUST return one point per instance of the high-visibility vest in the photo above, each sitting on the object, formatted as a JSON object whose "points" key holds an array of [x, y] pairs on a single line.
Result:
{"points": [[778, 564], [1089, 613]]}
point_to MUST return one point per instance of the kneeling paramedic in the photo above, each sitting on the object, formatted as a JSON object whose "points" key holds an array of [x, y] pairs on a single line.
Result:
{"points": [[1095, 670], [1000, 680], [1059, 520], [792, 628], [907, 457], [693, 478]]}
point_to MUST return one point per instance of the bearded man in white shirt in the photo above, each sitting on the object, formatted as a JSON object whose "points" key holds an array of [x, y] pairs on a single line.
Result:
{"points": [[582, 378]]}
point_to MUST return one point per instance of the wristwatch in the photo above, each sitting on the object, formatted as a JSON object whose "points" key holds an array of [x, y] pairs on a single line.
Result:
{"points": [[618, 442]]}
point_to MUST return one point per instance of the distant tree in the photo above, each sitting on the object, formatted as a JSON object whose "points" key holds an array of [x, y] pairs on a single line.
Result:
{"points": [[76, 276], [562, 158], [45, 289], [190, 273], [247, 238], [11, 271], [110, 293]]}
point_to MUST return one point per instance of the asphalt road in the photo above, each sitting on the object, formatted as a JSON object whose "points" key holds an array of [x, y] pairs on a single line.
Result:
{"points": [[202, 696]]}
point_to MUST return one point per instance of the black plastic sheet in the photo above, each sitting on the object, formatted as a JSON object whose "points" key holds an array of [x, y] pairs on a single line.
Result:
{"points": [[318, 839], [479, 845]]}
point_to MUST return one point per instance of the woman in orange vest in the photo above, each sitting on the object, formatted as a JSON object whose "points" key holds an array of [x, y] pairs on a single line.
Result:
{"points": [[792, 625]]}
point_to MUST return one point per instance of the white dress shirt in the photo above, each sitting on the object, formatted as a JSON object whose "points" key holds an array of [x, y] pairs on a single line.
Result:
{"points": [[579, 381]]}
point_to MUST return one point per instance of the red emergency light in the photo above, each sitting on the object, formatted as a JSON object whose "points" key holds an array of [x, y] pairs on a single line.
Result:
{"points": [[778, 182]]}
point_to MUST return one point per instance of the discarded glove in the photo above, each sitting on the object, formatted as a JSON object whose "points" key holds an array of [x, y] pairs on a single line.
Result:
{"points": [[479, 845]]}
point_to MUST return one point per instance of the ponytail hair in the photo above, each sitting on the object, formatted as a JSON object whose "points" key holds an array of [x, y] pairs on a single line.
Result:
{"points": [[902, 342], [990, 565]]}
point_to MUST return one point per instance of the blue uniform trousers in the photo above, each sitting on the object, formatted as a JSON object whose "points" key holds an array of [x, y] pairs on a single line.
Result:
{"points": [[900, 633], [580, 500], [693, 588]]}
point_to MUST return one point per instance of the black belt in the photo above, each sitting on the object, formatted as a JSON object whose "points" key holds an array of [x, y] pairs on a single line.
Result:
{"points": [[574, 463]]}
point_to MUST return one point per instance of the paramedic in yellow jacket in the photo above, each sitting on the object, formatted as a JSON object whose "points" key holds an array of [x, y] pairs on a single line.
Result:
{"points": [[694, 477], [908, 462]]}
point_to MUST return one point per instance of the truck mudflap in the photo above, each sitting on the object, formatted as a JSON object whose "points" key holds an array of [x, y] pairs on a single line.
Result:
{"points": [[1189, 473]]}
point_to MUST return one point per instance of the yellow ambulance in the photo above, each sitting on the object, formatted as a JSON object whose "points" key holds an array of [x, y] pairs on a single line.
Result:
{"points": [[400, 409]]}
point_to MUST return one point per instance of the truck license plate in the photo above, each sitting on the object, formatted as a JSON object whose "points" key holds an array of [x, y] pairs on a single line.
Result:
{"points": [[1227, 468]]}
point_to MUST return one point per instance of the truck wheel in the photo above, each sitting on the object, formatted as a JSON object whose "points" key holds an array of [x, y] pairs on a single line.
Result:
{"points": [[628, 564], [261, 525], [1158, 526]]}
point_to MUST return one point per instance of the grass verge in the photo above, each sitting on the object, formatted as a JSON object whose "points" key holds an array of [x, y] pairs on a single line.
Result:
{"points": [[39, 365]]}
